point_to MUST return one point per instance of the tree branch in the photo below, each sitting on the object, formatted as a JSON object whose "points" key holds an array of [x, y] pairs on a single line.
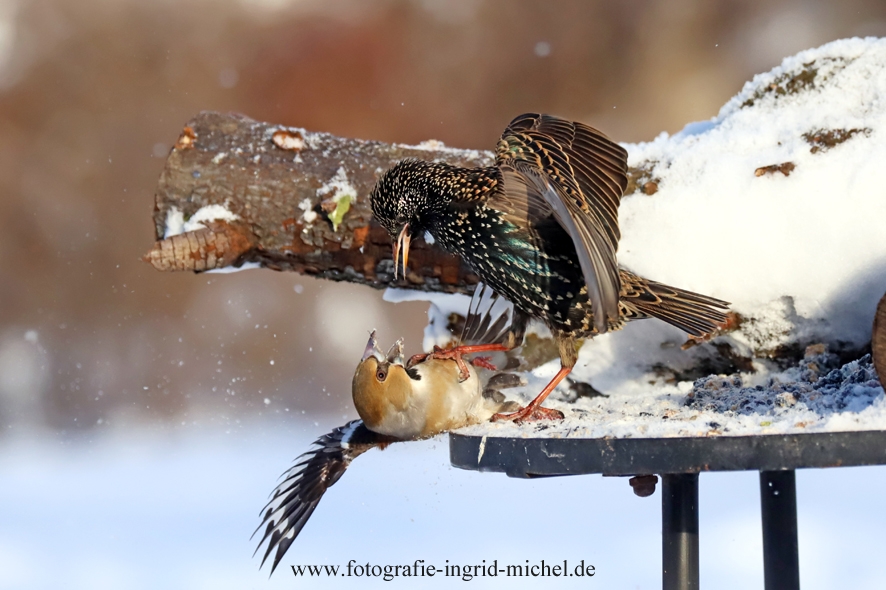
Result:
{"points": [[301, 202]]}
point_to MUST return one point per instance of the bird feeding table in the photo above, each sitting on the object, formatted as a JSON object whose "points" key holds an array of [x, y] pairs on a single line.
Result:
{"points": [[679, 461]]}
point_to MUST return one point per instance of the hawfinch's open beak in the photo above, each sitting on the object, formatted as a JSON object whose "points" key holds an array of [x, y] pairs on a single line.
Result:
{"points": [[402, 243]]}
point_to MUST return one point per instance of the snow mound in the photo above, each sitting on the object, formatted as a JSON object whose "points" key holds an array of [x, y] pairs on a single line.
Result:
{"points": [[778, 203]]}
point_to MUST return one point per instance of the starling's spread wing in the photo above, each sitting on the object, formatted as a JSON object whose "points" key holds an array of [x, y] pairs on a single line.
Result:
{"points": [[295, 498], [528, 197], [492, 320], [581, 175], [588, 165]]}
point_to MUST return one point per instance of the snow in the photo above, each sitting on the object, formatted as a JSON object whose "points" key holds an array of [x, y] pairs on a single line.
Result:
{"points": [[801, 257], [232, 269], [176, 224], [438, 146], [430, 144], [817, 395], [341, 192], [308, 215]]}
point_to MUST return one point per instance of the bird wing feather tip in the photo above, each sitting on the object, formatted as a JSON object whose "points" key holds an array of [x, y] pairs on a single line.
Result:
{"points": [[294, 500]]}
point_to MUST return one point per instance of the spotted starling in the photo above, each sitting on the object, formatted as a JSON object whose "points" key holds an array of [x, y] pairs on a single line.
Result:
{"points": [[540, 227]]}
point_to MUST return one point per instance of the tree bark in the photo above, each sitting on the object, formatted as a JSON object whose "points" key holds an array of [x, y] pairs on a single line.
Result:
{"points": [[288, 189]]}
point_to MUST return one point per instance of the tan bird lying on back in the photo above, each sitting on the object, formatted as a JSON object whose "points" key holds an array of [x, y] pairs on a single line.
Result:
{"points": [[397, 401], [423, 398]]}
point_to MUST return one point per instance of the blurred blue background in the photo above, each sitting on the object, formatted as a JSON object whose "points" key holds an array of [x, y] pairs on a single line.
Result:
{"points": [[144, 417]]}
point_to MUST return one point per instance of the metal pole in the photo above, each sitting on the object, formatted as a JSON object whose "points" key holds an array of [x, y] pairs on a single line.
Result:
{"points": [[778, 503], [679, 531]]}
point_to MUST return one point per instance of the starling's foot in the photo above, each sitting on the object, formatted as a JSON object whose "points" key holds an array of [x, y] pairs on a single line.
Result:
{"points": [[533, 411], [456, 354], [445, 354], [483, 362], [415, 359], [529, 414]]}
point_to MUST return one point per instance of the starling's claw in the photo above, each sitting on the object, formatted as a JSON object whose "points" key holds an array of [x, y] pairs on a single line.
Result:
{"points": [[455, 354], [415, 359], [533, 411], [529, 414], [483, 362]]}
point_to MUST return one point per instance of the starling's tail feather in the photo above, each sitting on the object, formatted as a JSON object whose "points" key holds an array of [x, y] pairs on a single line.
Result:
{"points": [[693, 313]]}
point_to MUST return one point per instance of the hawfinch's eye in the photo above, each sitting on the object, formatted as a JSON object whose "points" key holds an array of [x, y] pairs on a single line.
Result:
{"points": [[381, 375]]}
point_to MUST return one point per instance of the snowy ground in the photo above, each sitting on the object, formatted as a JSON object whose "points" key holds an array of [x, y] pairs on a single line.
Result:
{"points": [[818, 395], [174, 508]]}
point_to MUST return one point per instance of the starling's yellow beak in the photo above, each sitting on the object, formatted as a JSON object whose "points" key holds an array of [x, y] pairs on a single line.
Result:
{"points": [[402, 243]]}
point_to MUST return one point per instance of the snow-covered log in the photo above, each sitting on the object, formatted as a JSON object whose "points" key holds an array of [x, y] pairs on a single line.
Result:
{"points": [[777, 204]]}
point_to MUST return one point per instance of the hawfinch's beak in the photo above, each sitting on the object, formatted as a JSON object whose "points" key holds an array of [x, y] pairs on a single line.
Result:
{"points": [[402, 243], [395, 354], [372, 348]]}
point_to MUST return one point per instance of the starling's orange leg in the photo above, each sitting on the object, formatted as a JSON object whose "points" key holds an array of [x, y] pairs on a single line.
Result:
{"points": [[455, 353], [533, 411], [469, 349]]}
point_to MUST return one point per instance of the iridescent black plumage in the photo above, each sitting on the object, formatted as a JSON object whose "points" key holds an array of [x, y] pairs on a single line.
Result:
{"points": [[540, 227]]}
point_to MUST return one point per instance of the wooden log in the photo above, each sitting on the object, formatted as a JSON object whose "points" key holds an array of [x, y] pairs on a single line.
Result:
{"points": [[292, 200]]}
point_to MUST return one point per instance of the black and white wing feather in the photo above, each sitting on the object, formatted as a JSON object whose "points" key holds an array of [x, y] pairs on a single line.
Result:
{"points": [[295, 498]]}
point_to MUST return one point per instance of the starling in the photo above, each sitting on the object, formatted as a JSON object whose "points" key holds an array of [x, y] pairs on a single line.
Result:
{"points": [[540, 227]]}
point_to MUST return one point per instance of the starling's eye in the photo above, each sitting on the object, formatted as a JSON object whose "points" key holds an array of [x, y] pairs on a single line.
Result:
{"points": [[381, 374]]}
